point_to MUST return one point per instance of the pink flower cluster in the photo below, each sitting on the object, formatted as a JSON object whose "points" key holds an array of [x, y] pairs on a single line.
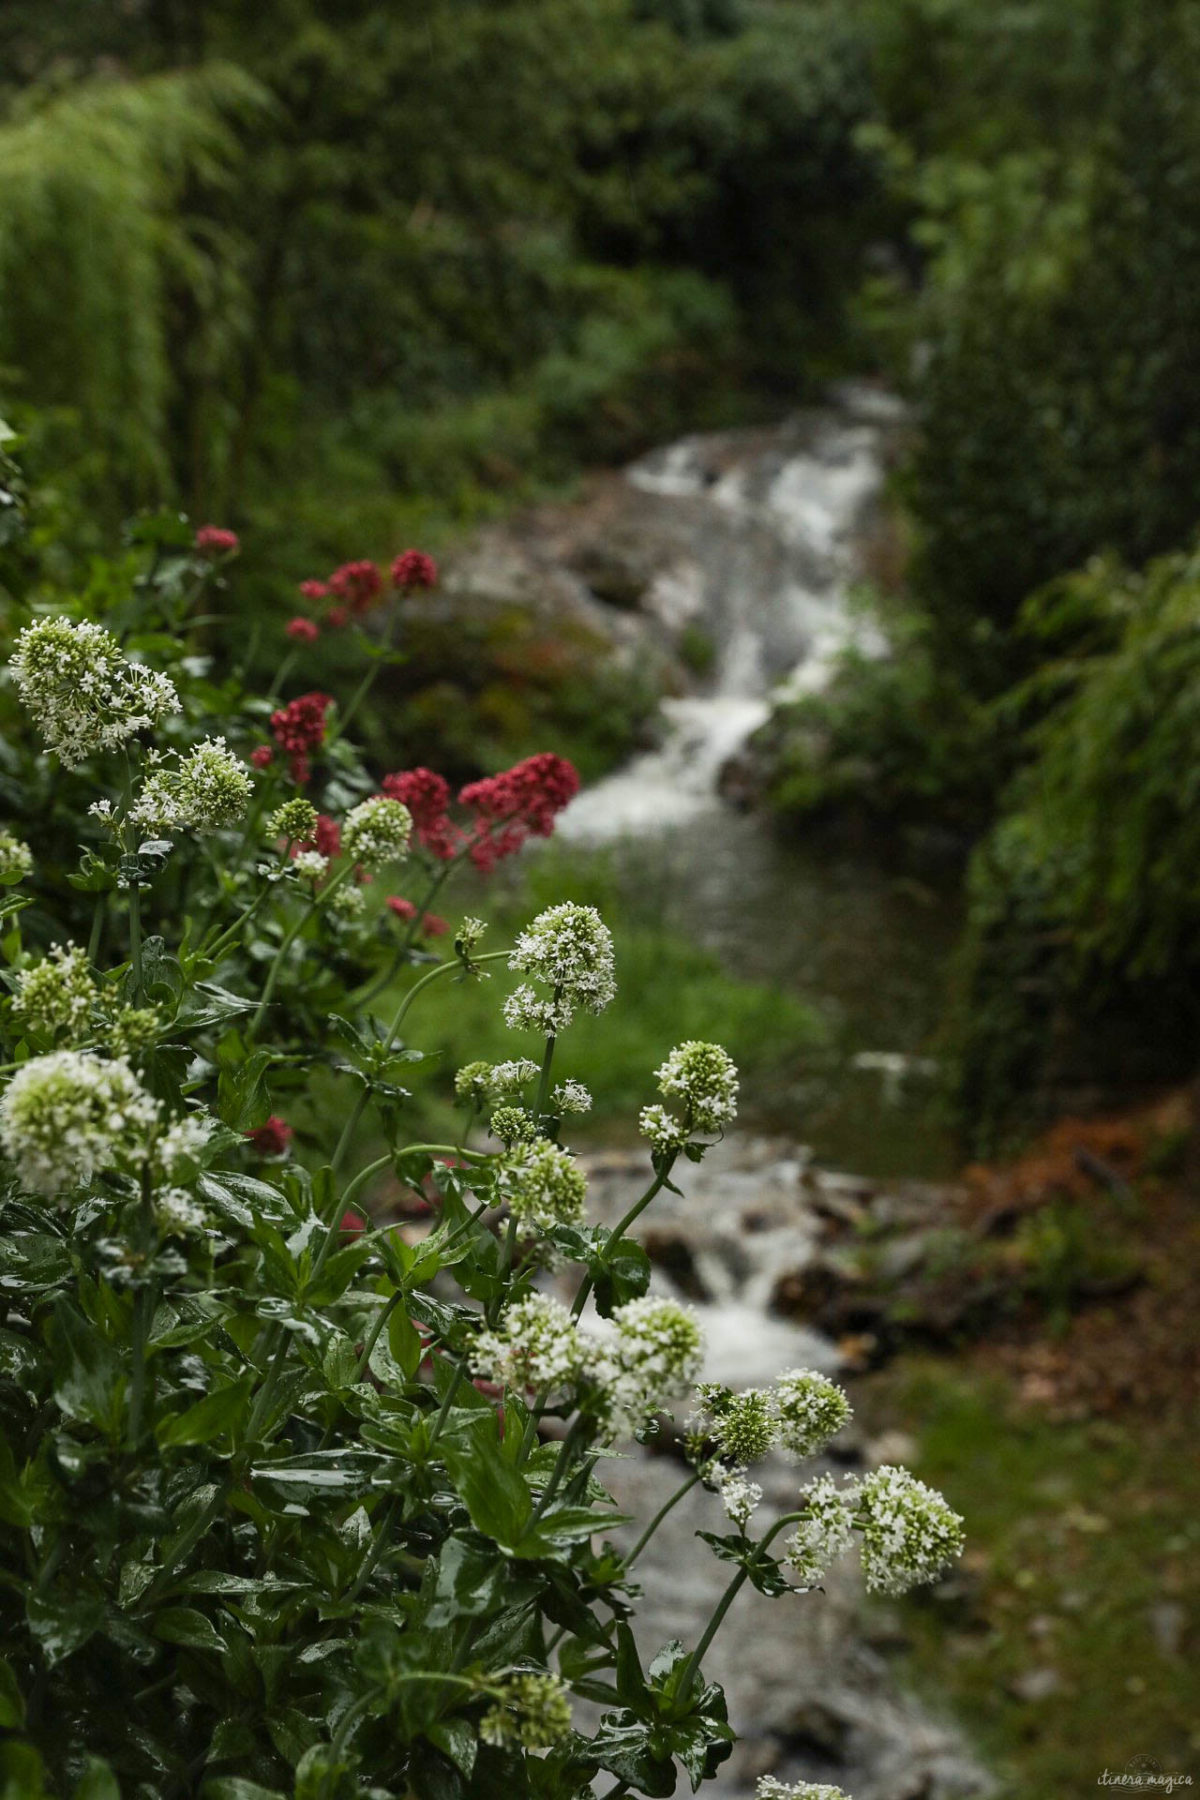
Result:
{"points": [[432, 924], [299, 729], [214, 541], [355, 587], [271, 1138], [518, 803]]}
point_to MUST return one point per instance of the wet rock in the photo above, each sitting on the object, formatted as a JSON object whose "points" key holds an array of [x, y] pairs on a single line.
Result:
{"points": [[1168, 1621], [1035, 1684], [671, 1252]]}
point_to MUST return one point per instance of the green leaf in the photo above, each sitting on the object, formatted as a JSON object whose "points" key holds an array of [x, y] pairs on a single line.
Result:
{"points": [[492, 1490], [404, 1342], [235, 1787], [184, 1625], [241, 1093], [218, 1413], [63, 1626], [470, 1581], [97, 1782], [12, 1701], [766, 1574], [458, 1740], [88, 1376]]}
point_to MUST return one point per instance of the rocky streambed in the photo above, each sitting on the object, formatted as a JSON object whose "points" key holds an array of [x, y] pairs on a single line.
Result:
{"points": [[812, 1690]]}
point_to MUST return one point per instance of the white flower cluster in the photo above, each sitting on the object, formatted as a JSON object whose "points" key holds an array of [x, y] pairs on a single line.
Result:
{"points": [[180, 1145], [739, 1497], [770, 1789], [310, 865], [295, 821], [825, 1533], [545, 1185], [569, 949], [208, 791], [809, 1411], [745, 1427], [66, 1115], [535, 1712], [54, 998], [537, 1345], [377, 831], [348, 903], [83, 693], [512, 1125], [650, 1355], [571, 1097], [799, 1415], [656, 1356], [909, 1533], [177, 1213], [501, 1083], [16, 859], [704, 1079]]}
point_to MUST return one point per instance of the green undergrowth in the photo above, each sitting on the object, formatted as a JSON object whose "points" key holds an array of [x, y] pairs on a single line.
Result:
{"points": [[1082, 1566], [668, 989]]}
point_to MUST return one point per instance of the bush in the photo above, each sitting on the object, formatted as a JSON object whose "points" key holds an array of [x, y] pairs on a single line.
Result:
{"points": [[295, 1501], [1084, 916]]}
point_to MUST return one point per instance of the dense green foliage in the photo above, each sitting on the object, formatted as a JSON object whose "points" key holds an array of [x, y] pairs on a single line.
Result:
{"points": [[440, 249], [1079, 964]]}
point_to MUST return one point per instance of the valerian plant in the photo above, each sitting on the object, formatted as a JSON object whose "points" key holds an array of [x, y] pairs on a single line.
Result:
{"points": [[296, 1500]]}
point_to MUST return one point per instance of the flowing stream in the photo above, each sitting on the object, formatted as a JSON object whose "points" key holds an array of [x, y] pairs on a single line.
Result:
{"points": [[754, 541], [758, 539]]}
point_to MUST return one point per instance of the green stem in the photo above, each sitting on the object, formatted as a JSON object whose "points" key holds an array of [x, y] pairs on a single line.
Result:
{"points": [[143, 1313], [622, 1226], [186, 1544], [561, 1463], [447, 1402], [135, 937], [97, 929], [356, 699], [294, 930], [492, 1311], [446, 968], [726, 1601], [282, 673], [543, 1089], [668, 1507], [279, 1345], [377, 1548]]}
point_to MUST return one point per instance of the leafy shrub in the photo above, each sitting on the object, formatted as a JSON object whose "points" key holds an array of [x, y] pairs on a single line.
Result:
{"points": [[1080, 951], [294, 1501], [892, 739]]}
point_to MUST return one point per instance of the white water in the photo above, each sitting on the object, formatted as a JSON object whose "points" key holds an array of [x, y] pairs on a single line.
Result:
{"points": [[773, 559]]}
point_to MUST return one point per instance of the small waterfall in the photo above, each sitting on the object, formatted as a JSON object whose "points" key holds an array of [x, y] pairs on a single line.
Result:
{"points": [[768, 578]]}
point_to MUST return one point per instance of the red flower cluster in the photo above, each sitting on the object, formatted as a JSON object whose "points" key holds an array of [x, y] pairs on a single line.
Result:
{"points": [[356, 585], [303, 630], [432, 924], [518, 803], [326, 839], [271, 1139], [263, 757], [214, 540], [427, 797], [412, 569], [299, 729]]}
